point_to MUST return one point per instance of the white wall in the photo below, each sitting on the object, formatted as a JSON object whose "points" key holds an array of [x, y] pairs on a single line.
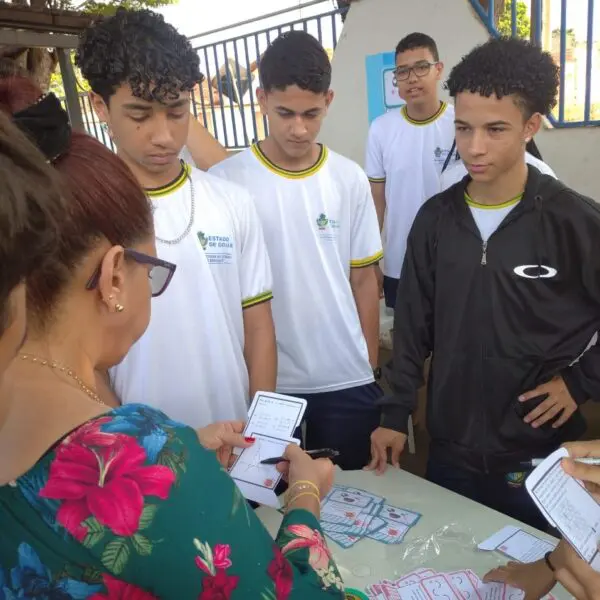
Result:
{"points": [[374, 26]]}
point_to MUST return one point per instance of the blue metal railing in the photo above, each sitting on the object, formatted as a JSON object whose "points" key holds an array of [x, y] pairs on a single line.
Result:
{"points": [[226, 101], [582, 114]]}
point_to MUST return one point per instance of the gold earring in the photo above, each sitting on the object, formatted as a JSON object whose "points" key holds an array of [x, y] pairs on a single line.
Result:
{"points": [[119, 308]]}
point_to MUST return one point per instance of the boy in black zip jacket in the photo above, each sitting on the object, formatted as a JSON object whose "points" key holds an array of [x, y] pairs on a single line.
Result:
{"points": [[501, 283]]}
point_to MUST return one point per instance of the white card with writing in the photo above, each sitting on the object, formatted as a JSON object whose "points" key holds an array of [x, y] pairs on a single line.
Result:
{"points": [[567, 505]]}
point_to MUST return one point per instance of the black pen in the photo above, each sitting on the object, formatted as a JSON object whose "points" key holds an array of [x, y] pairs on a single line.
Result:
{"points": [[321, 453]]}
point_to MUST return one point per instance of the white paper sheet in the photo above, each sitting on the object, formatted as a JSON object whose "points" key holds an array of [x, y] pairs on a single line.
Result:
{"points": [[256, 481], [275, 415], [518, 544], [568, 505]]}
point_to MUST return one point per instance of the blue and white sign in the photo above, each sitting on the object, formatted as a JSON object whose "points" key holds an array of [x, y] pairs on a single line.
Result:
{"points": [[382, 91]]}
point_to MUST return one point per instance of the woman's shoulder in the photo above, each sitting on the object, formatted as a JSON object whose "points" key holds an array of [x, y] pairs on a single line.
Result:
{"points": [[115, 460]]}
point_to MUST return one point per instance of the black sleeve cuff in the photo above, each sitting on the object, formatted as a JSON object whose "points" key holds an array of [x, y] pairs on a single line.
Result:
{"points": [[394, 416], [572, 378]]}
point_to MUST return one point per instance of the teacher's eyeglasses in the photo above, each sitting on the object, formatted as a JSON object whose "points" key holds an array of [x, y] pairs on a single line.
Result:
{"points": [[160, 274]]}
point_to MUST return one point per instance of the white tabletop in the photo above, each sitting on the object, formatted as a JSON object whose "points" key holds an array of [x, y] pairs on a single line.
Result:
{"points": [[444, 539]]}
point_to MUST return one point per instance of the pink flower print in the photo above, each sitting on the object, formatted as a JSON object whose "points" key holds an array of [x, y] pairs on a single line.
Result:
{"points": [[221, 554], [120, 590], [108, 482], [319, 556]]}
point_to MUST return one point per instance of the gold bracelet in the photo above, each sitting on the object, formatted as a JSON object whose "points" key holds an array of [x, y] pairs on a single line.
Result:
{"points": [[306, 484], [316, 496]]}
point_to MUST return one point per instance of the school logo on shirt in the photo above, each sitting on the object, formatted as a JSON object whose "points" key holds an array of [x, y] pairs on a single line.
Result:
{"points": [[440, 154], [328, 228], [515, 480], [218, 248], [202, 239]]}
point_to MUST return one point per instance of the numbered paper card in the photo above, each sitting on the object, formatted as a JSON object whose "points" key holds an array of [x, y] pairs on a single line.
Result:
{"points": [[567, 505], [257, 481], [275, 415]]}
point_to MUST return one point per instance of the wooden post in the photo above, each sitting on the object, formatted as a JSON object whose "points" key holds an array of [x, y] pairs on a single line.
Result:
{"points": [[70, 86]]}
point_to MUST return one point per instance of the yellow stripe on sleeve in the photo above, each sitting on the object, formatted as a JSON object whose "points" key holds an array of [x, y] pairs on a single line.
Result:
{"points": [[377, 179], [366, 262], [254, 300]]}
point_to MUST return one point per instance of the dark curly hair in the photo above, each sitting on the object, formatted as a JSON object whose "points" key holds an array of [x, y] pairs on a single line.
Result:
{"points": [[141, 49], [295, 58], [508, 67]]}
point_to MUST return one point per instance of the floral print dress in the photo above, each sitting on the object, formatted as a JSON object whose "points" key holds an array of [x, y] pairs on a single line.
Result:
{"points": [[131, 506]]}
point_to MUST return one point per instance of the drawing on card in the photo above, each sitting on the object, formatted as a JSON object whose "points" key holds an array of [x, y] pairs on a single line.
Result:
{"points": [[247, 467]]}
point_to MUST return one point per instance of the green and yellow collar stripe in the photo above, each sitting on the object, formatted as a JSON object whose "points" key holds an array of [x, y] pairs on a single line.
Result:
{"points": [[172, 185], [254, 300], [435, 117], [506, 204], [262, 158], [367, 262]]}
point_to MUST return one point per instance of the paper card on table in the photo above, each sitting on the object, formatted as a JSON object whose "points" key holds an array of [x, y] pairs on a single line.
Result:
{"points": [[334, 512], [258, 482], [375, 525], [424, 572], [411, 579], [438, 588], [463, 585], [518, 544], [390, 533], [567, 504], [335, 527], [525, 547], [345, 541], [399, 515], [377, 499], [413, 592], [344, 496], [489, 591]]}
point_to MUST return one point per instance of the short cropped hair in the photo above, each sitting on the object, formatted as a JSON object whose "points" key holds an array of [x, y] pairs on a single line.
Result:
{"points": [[418, 40], [295, 58]]}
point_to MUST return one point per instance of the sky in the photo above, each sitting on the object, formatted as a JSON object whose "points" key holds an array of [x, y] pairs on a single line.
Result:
{"points": [[192, 17]]}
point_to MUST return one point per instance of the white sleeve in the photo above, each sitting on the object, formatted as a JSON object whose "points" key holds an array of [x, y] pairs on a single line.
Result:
{"points": [[366, 246], [256, 281], [374, 157]]}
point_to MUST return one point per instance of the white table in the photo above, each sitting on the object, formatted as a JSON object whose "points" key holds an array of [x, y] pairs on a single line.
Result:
{"points": [[444, 539]]}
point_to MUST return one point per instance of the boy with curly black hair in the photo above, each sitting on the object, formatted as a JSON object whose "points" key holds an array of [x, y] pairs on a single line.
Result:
{"points": [[501, 283], [211, 343]]}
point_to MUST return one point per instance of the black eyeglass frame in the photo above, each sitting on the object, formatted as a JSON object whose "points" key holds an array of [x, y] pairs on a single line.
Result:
{"points": [[413, 69], [142, 259]]}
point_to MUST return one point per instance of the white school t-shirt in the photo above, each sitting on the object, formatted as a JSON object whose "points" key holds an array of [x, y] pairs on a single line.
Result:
{"points": [[190, 361], [318, 224], [458, 171], [408, 156]]}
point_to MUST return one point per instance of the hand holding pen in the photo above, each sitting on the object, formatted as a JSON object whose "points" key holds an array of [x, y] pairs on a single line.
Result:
{"points": [[584, 464], [315, 454]]}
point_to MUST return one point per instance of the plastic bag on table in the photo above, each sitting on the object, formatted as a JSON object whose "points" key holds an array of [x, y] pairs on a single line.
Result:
{"points": [[444, 550]]}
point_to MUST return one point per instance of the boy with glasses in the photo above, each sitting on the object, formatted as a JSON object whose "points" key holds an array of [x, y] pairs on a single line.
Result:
{"points": [[407, 150]]}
